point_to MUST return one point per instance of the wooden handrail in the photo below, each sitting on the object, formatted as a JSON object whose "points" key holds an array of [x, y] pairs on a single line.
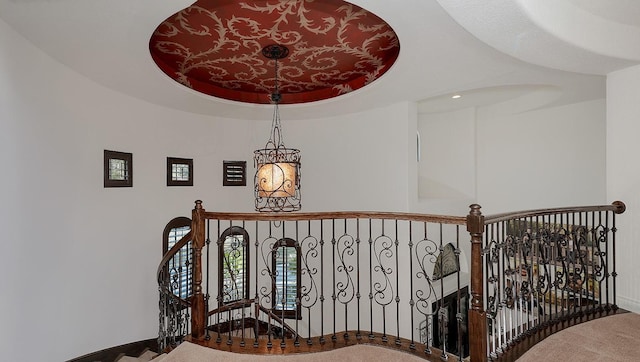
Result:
{"points": [[233, 305], [617, 207], [172, 252], [163, 263], [248, 302], [277, 319], [304, 216], [475, 223]]}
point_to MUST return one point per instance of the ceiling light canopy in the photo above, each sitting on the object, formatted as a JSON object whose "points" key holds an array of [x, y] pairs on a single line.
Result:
{"points": [[215, 47]]}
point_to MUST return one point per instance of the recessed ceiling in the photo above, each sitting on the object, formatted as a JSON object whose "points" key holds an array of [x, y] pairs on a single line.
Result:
{"points": [[585, 36], [215, 47], [505, 97], [446, 46]]}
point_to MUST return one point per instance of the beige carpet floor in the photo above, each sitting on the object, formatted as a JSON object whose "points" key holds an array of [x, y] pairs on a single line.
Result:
{"points": [[612, 339], [194, 353]]}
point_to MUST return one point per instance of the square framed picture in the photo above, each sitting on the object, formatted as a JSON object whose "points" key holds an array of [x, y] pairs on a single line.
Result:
{"points": [[179, 171], [118, 169], [234, 173]]}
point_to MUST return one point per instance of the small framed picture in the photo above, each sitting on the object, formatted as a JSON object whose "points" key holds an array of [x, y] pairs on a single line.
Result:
{"points": [[234, 173], [179, 171], [118, 169]]}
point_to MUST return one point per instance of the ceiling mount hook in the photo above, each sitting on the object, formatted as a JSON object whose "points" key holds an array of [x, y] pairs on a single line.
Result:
{"points": [[275, 51]]}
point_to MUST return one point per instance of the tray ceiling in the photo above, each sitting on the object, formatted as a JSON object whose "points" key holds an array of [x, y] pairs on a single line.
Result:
{"points": [[215, 47], [557, 54]]}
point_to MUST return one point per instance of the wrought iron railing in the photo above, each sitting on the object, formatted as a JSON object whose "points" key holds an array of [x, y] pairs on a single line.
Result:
{"points": [[304, 282], [543, 271], [332, 279], [175, 288]]}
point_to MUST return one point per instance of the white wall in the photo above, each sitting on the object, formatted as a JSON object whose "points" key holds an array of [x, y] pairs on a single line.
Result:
{"points": [[623, 177], [542, 158], [446, 171], [508, 161], [66, 281], [79, 260], [356, 161]]}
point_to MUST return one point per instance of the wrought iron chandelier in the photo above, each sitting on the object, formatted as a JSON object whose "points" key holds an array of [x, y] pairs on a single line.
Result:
{"points": [[277, 179]]}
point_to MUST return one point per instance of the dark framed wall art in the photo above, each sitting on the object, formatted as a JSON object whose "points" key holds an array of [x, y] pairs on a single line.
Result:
{"points": [[179, 171], [234, 173], [118, 169]]}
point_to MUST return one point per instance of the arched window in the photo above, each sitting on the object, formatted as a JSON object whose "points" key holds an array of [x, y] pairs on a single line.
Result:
{"points": [[180, 266], [233, 265], [286, 278]]}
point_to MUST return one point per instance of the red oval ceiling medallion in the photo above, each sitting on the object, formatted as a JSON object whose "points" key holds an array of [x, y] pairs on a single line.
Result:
{"points": [[215, 47]]}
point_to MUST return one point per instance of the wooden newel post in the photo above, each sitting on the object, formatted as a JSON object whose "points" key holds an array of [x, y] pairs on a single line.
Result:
{"points": [[477, 314], [198, 306]]}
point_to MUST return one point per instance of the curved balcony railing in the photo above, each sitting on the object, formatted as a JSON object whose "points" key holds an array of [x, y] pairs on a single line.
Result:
{"points": [[544, 270], [435, 286], [175, 294]]}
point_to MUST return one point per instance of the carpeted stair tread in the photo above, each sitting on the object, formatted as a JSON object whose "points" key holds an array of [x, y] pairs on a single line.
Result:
{"points": [[147, 355], [127, 359], [160, 357]]}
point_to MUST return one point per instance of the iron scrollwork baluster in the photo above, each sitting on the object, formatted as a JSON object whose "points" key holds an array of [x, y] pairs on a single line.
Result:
{"points": [[383, 289], [345, 287], [266, 292], [309, 288], [426, 256]]}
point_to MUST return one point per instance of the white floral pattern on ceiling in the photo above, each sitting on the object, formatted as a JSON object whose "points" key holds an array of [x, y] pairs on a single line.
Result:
{"points": [[215, 47]]}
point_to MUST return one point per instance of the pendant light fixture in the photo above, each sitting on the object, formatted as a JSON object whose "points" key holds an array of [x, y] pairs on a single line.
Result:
{"points": [[277, 179]]}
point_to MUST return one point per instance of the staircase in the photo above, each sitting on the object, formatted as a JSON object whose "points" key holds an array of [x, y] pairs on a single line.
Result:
{"points": [[135, 351], [146, 355]]}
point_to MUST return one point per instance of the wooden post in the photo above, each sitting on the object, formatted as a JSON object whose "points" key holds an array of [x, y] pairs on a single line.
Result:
{"points": [[198, 306], [477, 314]]}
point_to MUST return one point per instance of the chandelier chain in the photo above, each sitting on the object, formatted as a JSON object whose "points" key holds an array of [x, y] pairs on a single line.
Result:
{"points": [[277, 179]]}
